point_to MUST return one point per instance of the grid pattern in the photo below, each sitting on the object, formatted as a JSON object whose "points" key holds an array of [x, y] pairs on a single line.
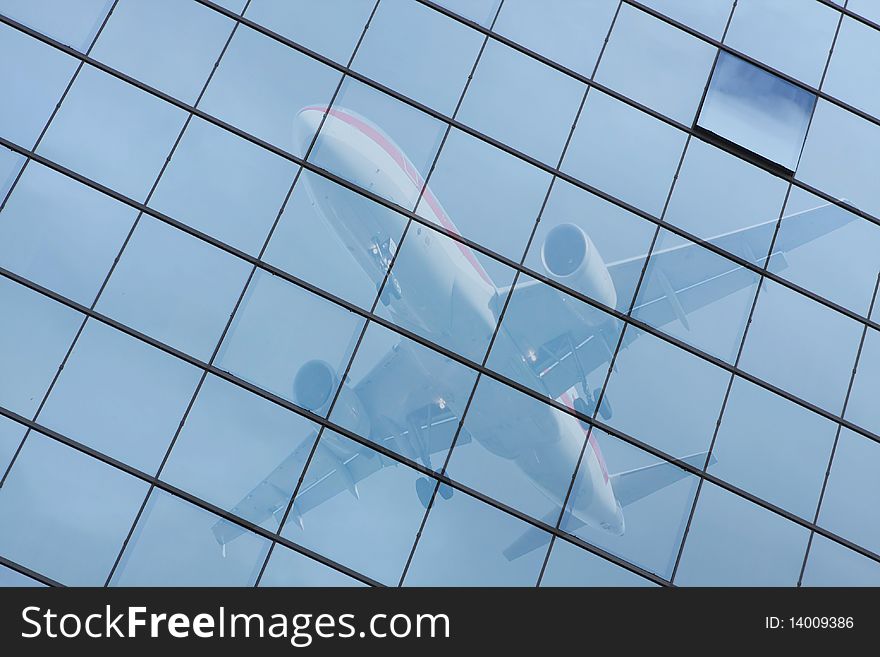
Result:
{"points": [[811, 504]]}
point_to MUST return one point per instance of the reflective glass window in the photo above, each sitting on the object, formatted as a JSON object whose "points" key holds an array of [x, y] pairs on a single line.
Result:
{"points": [[233, 5], [11, 434], [570, 565], [330, 28], [866, 8], [791, 36], [773, 448], [120, 396], [358, 508], [418, 52], [9, 578], [241, 453], [522, 102], [480, 11], [113, 132], [854, 70], [168, 44], [174, 287], [733, 542], [224, 186], [625, 152], [841, 156], [463, 544], [74, 25], [656, 64], [862, 405], [831, 564], [827, 250], [34, 337], [33, 80], [404, 396], [696, 295], [252, 90], [707, 16], [61, 234], [375, 141], [722, 198], [488, 195], [324, 222], [65, 514], [638, 514], [664, 395], [757, 110], [568, 32], [288, 567], [10, 164], [801, 346], [621, 238], [278, 329], [849, 507], [174, 544], [445, 291]]}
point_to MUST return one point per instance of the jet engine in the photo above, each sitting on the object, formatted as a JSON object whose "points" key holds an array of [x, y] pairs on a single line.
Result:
{"points": [[313, 388], [570, 257]]}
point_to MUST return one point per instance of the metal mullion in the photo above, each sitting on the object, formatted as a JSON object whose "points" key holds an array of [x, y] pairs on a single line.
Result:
{"points": [[27, 572]]}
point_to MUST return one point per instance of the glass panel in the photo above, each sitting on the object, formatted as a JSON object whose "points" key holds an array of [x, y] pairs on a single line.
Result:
{"points": [[757, 110], [849, 507], [567, 31], [831, 564], [867, 8], [374, 141], [252, 89], [799, 345], [174, 287], [113, 133], [65, 514], [10, 164], [773, 448], [232, 5], [12, 578], [73, 25], [707, 16], [829, 250], [325, 222], [61, 234], [717, 193], [34, 337], [862, 405], [637, 514], [11, 434], [168, 44], [279, 328], [419, 52], [542, 329], [174, 544], [241, 453], [463, 544], [287, 567], [120, 396], [733, 542], [365, 522], [841, 157], [32, 86], [480, 11], [624, 152], [224, 186], [620, 237], [440, 289], [792, 36], [664, 395], [330, 28], [854, 70], [656, 64], [570, 565], [404, 396], [487, 195], [696, 295], [522, 102]]}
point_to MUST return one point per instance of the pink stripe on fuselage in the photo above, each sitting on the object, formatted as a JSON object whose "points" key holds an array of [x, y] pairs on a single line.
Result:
{"points": [[566, 399], [410, 171]]}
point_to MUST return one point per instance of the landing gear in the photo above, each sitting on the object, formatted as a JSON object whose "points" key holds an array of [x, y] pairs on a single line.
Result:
{"points": [[383, 252], [588, 407], [424, 488]]}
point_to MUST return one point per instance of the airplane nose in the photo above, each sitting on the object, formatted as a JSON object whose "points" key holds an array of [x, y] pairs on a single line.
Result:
{"points": [[305, 125]]}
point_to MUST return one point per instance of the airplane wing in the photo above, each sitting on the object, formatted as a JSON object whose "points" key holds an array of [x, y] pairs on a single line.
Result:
{"points": [[633, 485]]}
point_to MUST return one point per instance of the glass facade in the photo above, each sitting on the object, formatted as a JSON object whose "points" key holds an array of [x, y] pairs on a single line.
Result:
{"points": [[411, 293]]}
